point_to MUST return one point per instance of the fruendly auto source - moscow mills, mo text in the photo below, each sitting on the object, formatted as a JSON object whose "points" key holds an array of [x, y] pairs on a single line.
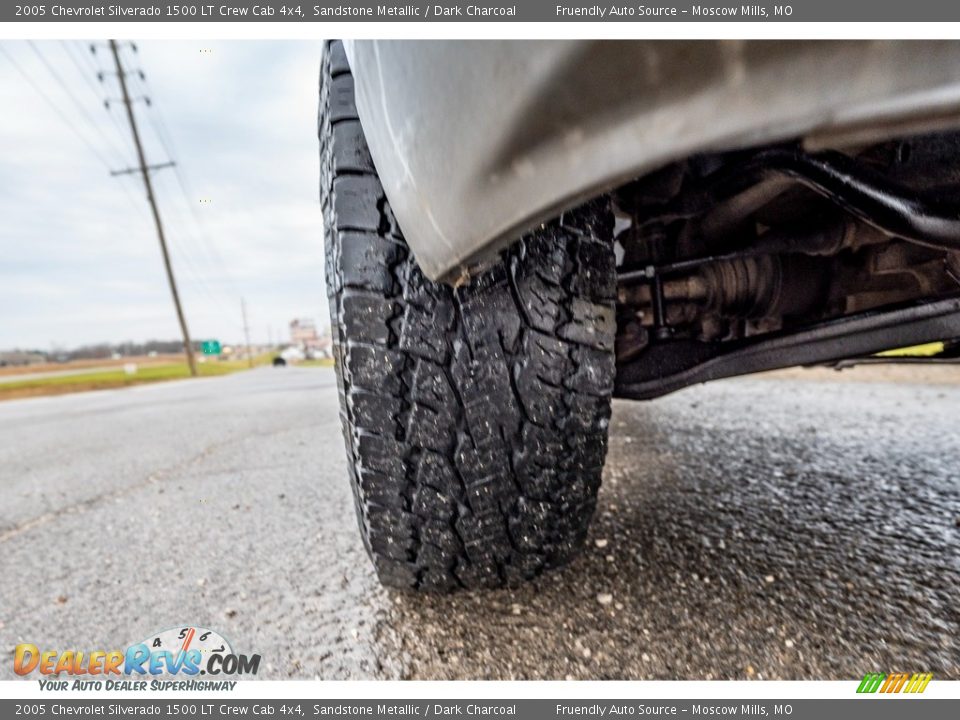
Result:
{"points": [[599, 12]]}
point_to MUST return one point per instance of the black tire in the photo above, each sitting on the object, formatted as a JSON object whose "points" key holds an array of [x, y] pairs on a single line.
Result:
{"points": [[475, 419]]}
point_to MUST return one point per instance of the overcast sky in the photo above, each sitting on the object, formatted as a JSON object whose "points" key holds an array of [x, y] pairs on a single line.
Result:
{"points": [[79, 258]]}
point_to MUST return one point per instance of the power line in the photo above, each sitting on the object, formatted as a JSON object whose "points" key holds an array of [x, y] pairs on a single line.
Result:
{"points": [[106, 163], [54, 107], [79, 105], [195, 276], [144, 168], [89, 59], [183, 250], [156, 120], [209, 256], [97, 91], [82, 48], [81, 71], [193, 273], [72, 126], [85, 73]]}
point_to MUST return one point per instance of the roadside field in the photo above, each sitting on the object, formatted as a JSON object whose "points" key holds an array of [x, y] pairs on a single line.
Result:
{"points": [[322, 362], [898, 373], [98, 363], [102, 379]]}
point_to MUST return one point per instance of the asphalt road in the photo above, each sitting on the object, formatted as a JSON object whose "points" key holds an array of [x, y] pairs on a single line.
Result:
{"points": [[748, 529]]}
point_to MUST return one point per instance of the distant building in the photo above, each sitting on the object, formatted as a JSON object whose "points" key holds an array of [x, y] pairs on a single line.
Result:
{"points": [[304, 335], [17, 357]]}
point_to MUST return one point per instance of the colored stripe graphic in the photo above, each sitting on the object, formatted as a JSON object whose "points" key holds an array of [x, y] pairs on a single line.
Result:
{"points": [[897, 682], [918, 683], [894, 683], [871, 682]]}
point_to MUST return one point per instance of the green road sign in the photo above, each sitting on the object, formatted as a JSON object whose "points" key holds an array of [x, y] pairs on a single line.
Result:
{"points": [[210, 347]]}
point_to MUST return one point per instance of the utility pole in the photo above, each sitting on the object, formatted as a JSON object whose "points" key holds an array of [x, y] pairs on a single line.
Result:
{"points": [[145, 171], [246, 330]]}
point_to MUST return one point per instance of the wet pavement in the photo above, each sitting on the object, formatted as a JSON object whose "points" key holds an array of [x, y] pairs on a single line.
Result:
{"points": [[761, 528]]}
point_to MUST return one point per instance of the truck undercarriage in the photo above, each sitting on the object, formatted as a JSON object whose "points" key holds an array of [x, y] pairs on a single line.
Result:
{"points": [[734, 263]]}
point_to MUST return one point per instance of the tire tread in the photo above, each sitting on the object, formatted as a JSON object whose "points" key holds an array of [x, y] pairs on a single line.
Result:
{"points": [[474, 419]]}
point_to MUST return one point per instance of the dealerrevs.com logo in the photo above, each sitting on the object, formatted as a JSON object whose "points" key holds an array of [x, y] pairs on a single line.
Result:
{"points": [[173, 659]]}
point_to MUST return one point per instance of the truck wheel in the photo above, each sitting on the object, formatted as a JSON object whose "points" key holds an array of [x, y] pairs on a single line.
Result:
{"points": [[475, 419]]}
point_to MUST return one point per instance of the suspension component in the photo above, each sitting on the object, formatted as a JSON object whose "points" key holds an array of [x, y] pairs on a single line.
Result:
{"points": [[748, 288], [733, 193]]}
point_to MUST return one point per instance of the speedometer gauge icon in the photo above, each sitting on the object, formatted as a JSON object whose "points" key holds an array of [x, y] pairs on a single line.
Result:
{"points": [[185, 638]]}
